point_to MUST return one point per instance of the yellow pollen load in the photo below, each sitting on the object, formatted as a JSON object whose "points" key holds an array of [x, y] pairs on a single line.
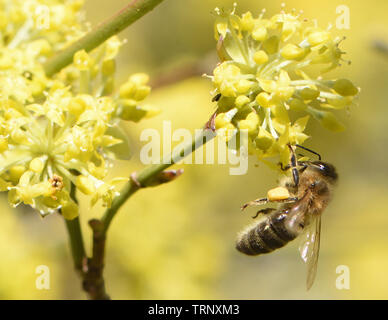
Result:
{"points": [[278, 193]]}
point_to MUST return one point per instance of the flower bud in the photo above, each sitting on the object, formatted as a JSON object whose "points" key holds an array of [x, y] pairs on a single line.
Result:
{"points": [[309, 94], [292, 52], [242, 100], [260, 57], [113, 46], [16, 172], [139, 78], [247, 22], [227, 132], [345, 87], [82, 60], [250, 123], [37, 165], [318, 37], [76, 106], [227, 89], [70, 210], [264, 139], [85, 185], [263, 99], [20, 137], [222, 120], [260, 33], [3, 144], [243, 86], [141, 92], [127, 90]]}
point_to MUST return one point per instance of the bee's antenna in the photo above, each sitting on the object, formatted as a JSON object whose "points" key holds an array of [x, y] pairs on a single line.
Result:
{"points": [[309, 150]]}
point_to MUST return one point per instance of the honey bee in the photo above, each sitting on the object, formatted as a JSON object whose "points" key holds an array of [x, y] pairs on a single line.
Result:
{"points": [[302, 199]]}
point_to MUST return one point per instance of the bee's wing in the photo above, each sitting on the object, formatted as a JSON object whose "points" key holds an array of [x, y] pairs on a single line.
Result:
{"points": [[309, 249]]}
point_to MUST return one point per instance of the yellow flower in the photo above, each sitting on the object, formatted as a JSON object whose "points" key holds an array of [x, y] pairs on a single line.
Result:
{"points": [[60, 131], [273, 59]]}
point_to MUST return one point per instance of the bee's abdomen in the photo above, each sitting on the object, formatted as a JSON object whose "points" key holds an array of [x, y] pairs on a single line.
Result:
{"points": [[265, 236]]}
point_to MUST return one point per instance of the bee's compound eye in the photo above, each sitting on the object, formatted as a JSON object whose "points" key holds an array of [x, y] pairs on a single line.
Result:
{"points": [[319, 187], [326, 169]]}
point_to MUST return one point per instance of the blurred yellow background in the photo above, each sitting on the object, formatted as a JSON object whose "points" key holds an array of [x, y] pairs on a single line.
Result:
{"points": [[177, 241]]}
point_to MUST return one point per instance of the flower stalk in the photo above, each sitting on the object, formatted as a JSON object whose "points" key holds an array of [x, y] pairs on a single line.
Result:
{"points": [[125, 17], [75, 236], [76, 243]]}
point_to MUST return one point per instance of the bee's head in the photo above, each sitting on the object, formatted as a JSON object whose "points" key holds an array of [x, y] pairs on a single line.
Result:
{"points": [[325, 169]]}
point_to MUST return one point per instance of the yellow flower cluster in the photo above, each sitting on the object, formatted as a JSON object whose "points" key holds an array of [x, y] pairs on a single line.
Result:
{"points": [[60, 132], [271, 70]]}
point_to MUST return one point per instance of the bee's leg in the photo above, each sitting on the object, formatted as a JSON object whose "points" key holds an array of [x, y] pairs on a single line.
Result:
{"points": [[257, 202], [263, 211], [283, 168], [304, 167], [288, 200], [293, 165]]}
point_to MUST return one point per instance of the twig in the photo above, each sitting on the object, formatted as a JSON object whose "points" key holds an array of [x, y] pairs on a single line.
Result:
{"points": [[89, 269], [93, 279], [125, 17], [145, 176]]}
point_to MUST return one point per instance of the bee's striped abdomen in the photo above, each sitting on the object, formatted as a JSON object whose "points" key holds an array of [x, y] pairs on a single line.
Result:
{"points": [[265, 236]]}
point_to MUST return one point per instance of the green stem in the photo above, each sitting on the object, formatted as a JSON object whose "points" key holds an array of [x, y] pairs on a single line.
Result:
{"points": [[76, 242], [149, 173], [76, 239], [125, 17]]}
